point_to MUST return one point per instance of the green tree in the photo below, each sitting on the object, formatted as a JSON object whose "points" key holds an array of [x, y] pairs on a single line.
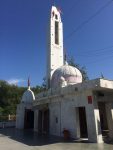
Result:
{"points": [[1, 110], [37, 89], [11, 95]]}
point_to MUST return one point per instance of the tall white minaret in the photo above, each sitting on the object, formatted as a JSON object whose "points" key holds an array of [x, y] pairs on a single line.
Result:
{"points": [[55, 56]]}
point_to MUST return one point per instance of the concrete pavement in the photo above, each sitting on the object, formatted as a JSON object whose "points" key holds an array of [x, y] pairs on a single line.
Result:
{"points": [[13, 139]]}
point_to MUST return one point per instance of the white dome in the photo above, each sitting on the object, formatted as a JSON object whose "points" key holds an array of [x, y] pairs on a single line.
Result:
{"points": [[28, 96], [66, 75]]}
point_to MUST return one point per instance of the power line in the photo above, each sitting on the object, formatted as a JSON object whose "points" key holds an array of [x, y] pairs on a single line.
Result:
{"points": [[75, 4], [89, 19], [98, 57], [99, 60], [98, 50], [95, 53]]}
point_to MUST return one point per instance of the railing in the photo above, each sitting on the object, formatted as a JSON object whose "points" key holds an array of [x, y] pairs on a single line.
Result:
{"points": [[7, 118], [7, 121]]}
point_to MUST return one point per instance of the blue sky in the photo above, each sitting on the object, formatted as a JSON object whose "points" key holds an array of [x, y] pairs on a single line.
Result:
{"points": [[23, 35]]}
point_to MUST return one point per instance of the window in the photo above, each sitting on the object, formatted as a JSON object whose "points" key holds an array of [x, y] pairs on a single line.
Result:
{"points": [[56, 17], [56, 119], [56, 32]]}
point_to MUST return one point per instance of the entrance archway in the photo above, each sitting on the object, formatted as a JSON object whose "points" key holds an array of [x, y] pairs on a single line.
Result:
{"points": [[103, 118], [82, 122], [29, 119]]}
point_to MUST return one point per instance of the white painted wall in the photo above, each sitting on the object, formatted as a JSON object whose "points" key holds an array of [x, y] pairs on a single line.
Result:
{"points": [[21, 113], [55, 113], [68, 116], [65, 110]]}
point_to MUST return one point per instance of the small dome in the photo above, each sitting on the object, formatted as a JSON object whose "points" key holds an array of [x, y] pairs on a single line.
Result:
{"points": [[28, 96], [66, 75]]}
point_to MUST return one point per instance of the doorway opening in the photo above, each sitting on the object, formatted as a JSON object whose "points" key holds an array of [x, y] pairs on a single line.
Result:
{"points": [[43, 121], [29, 119], [103, 118], [82, 122]]}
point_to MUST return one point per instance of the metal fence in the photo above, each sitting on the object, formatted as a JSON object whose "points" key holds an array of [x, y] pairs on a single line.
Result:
{"points": [[7, 118]]}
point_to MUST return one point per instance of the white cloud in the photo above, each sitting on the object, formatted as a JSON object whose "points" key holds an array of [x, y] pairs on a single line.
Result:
{"points": [[15, 81]]}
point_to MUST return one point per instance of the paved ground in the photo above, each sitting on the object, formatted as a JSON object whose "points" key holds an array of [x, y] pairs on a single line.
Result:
{"points": [[12, 139]]}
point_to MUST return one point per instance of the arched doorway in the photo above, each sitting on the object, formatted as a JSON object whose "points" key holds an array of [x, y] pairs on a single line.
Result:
{"points": [[29, 119], [83, 122]]}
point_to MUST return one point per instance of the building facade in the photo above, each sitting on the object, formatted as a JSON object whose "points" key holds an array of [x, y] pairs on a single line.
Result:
{"points": [[85, 109]]}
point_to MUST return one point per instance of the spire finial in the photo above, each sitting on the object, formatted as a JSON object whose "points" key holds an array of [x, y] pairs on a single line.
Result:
{"points": [[65, 57], [28, 82], [102, 76], [54, 2]]}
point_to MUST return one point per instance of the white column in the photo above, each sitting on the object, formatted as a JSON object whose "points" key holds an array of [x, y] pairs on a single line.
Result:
{"points": [[20, 116], [36, 120], [93, 123], [109, 113]]}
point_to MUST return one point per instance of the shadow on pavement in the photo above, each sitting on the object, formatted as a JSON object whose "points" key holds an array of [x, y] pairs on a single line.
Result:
{"points": [[31, 138]]}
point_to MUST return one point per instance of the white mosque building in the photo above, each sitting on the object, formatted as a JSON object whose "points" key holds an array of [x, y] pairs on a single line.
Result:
{"points": [[85, 109]]}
